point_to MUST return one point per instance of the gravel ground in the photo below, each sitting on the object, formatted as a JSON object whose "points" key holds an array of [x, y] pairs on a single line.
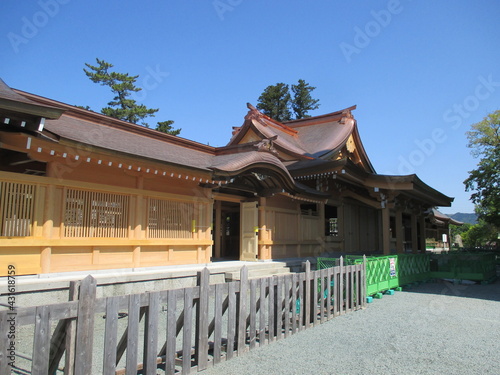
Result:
{"points": [[434, 328]]}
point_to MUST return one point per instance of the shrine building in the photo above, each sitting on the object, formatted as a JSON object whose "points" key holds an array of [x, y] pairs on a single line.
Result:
{"points": [[82, 191]]}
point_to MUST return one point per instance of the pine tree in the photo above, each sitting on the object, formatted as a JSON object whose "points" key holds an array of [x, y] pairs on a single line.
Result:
{"points": [[302, 101], [275, 102], [166, 127], [122, 106]]}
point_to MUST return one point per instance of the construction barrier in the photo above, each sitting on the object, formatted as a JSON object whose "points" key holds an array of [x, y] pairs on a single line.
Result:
{"points": [[463, 266], [392, 271]]}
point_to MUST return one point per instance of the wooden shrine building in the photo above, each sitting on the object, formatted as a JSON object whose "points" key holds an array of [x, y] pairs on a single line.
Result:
{"points": [[83, 191]]}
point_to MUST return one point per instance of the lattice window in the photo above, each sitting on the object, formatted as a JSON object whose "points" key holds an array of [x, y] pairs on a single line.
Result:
{"points": [[95, 214], [16, 208], [170, 219]]}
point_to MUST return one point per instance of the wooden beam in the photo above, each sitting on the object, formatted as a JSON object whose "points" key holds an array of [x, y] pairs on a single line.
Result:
{"points": [[399, 231], [414, 237], [386, 230], [365, 200]]}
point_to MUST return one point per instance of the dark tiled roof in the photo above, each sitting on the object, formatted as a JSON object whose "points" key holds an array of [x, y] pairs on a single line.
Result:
{"points": [[313, 137], [133, 143], [11, 100], [445, 218]]}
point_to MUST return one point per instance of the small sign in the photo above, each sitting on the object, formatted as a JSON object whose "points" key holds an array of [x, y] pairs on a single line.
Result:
{"points": [[445, 237], [392, 267]]}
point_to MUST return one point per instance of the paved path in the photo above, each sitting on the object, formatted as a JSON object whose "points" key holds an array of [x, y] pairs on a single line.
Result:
{"points": [[435, 328]]}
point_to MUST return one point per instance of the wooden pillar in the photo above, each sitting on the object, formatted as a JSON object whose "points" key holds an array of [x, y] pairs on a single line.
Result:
{"points": [[48, 209], [399, 231], [217, 229], [321, 230], [209, 217], [45, 259], [138, 227], [421, 223], [341, 224], [262, 252], [136, 256], [414, 237], [386, 230]]}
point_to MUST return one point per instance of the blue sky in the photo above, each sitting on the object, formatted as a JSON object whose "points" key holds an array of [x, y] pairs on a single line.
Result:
{"points": [[420, 72]]}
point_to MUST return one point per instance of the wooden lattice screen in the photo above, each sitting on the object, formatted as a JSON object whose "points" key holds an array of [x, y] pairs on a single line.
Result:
{"points": [[16, 208], [170, 219], [95, 214]]}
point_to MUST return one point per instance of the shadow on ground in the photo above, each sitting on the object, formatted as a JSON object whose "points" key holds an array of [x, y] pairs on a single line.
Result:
{"points": [[460, 289]]}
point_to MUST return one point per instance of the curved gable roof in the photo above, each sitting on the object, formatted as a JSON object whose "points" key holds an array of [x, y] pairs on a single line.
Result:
{"points": [[320, 137]]}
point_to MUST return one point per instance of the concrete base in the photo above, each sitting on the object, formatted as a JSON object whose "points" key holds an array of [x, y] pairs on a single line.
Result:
{"points": [[34, 290]]}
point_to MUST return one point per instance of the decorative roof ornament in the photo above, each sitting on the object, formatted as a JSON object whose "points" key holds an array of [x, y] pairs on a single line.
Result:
{"points": [[266, 145], [347, 117]]}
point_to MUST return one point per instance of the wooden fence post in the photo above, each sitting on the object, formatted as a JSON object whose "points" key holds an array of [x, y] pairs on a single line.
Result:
{"points": [[69, 357], [7, 353], [307, 294], [187, 331], [63, 339], [270, 316], [363, 280], [85, 326], [201, 343], [170, 343], [242, 310], [151, 334], [111, 333], [41, 342], [133, 318], [341, 286]]}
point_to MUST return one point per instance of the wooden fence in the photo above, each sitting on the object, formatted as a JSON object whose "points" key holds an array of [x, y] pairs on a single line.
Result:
{"points": [[177, 331]]}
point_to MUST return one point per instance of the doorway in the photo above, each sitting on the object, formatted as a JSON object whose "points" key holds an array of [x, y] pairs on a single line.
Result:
{"points": [[226, 230]]}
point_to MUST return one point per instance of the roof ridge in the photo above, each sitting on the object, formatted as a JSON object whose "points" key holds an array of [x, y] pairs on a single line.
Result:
{"points": [[89, 115], [346, 112], [254, 113]]}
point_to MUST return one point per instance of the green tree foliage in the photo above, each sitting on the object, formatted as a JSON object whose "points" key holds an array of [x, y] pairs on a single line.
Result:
{"points": [[484, 181], [166, 127], [302, 100], [122, 85], [277, 102], [479, 234], [456, 230]]}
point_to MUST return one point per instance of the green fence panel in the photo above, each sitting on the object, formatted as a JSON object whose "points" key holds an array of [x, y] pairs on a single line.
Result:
{"points": [[390, 271], [413, 268], [323, 263], [381, 272], [463, 266]]}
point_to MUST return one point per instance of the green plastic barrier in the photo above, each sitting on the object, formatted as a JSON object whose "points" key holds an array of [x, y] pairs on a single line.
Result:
{"points": [[322, 263], [392, 271], [413, 268], [463, 266]]}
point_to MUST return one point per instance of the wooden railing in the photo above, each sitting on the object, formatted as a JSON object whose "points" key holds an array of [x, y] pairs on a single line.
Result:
{"points": [[181, 330], [50, 225]]}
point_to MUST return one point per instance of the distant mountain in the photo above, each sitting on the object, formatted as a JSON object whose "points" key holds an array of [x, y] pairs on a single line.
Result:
{"points": [[465, 218]]}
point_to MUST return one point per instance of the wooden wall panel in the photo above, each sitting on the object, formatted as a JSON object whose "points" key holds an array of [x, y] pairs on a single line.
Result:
{"points": [[100, 174], [27, 260], [183, 255], [152, 256], [114, 256], [71, 259]]}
